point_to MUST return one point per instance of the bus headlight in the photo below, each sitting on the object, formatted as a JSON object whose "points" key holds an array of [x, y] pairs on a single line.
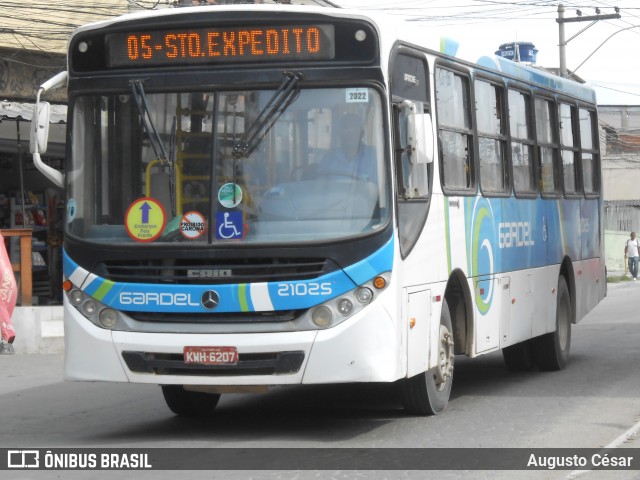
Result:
{"points": [[89, 308], [337, 310], [76, 297], [364, 295], [345, 306], [321, 316], [108, 318], [93, 310]]}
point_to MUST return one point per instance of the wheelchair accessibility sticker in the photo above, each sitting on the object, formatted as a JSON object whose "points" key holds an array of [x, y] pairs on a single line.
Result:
{"points": [[228, 225], [145, 219]]}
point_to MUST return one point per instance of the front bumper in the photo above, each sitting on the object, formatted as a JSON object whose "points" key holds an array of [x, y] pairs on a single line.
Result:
{"points": [[365, 348]]}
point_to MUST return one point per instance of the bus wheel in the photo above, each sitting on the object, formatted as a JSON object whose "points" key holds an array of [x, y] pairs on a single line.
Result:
{"points": [[428, 393], [551, 351], [518, 357], [189, 404]]}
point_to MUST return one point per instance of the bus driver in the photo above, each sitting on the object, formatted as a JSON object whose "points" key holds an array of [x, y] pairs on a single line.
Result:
{"points": [[351, 157]]}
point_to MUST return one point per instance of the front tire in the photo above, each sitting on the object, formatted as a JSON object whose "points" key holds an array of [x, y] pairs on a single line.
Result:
{"points": [[428, 393], [189, 404], [551, 351]]}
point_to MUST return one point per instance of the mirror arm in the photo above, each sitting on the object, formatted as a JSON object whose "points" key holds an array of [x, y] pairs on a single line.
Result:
{"points": [[51, 173]]}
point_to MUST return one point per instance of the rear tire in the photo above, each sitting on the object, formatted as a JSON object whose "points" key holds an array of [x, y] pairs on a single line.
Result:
{"points": [[189, 404], [428, 393], [551, 351]]}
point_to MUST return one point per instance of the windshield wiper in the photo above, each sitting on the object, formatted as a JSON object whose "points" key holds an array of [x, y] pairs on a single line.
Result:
{"points": [[147, 122], [284, 96], [155, 140]]}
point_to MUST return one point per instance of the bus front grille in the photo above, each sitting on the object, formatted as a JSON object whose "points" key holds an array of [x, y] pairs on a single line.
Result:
{"points": [[277, 316], [208, 272], [276, 363]]}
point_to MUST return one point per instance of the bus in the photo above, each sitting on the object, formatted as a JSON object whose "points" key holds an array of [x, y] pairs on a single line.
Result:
{"points": [[222, 236]]}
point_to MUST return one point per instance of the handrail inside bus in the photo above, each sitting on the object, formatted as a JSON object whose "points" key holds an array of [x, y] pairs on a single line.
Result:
{"points": [[178, 184]]}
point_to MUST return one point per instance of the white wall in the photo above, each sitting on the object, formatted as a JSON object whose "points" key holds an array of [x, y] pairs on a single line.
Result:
{"points": [[38, 329], [621, 177], [614, 250]]}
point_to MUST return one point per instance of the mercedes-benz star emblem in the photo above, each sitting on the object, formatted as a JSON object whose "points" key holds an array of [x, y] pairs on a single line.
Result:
{"points": [[210, 300]]}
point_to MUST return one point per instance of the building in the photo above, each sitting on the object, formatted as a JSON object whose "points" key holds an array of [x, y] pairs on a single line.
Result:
{"points": [[33, 41], [32, 49], [620, 146]]}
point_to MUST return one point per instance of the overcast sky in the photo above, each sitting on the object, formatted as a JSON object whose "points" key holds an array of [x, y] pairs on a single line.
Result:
{"points": [[481, 26]]}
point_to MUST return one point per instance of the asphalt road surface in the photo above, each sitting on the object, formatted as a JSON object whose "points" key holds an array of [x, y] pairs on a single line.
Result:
{"points": [[594, 403]]}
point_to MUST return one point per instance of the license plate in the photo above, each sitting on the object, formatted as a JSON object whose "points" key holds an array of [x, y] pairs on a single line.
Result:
{"points": [[211, 355]]}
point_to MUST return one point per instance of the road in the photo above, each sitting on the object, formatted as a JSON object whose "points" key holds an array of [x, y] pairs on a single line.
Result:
{"points": [[589, 405]]}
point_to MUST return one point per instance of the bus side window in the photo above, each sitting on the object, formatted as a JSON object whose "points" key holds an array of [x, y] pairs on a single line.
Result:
{"points": [[522, 143], [546, 124], [454, 129], [492, 140], [569, 149], [590, 154]]}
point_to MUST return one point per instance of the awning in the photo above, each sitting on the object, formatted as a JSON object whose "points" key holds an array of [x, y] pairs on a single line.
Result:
{"points": [[24, 111], [15, 119]]}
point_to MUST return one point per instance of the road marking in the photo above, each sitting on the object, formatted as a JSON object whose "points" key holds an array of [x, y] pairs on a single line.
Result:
{"points": [[625, 437]]}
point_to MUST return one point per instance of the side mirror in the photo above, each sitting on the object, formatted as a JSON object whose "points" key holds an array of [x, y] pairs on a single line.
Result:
{"points": [[427, 132], [419, 139], [39, 135]]}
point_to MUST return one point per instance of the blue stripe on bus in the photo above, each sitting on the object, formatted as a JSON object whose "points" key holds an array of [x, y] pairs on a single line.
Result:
{"points": [[375, 264], [505, 235], [543, 79], [283, 295]]}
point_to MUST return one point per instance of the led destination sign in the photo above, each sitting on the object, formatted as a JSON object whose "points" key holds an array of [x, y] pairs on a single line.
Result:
{"points": [[222, 45]]}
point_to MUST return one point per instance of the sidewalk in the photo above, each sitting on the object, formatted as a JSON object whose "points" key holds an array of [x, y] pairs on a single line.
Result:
{"points": [[21, 372], [618, 277]]}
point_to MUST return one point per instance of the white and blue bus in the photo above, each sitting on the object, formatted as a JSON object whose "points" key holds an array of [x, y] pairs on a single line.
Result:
{"points": [[222, 236]]}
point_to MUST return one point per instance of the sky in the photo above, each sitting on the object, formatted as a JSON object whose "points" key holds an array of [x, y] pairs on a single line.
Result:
{"points": [[610, 47]]}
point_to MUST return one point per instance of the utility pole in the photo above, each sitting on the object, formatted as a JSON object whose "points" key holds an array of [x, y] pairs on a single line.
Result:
{"points": [[562, 43]]}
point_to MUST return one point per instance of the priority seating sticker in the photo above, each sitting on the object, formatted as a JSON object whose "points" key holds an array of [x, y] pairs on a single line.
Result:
{"points": [[193, 225], [145, 219]]}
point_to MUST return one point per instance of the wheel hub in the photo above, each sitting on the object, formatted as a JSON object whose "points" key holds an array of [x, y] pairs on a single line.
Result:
{"points": [[444, 369]]}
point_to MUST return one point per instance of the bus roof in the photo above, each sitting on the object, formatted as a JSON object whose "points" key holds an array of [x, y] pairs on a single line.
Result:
{"points": [[391, 31]]}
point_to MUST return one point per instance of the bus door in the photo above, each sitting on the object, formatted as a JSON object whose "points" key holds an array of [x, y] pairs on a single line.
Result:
{"points": [[417, 302], [413, 147], [488, 301], [505, 309], [413, 153]]}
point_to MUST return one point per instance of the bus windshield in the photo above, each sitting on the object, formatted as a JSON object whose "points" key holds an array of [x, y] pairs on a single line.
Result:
{"points": [[174, 167]]}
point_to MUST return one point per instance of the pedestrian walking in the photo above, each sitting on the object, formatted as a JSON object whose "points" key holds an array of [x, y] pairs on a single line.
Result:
{"points": [[8, 296], [631, 249]]}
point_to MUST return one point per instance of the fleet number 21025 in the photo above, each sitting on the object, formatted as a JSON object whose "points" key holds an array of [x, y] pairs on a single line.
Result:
{"points": [[302, 289]]}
